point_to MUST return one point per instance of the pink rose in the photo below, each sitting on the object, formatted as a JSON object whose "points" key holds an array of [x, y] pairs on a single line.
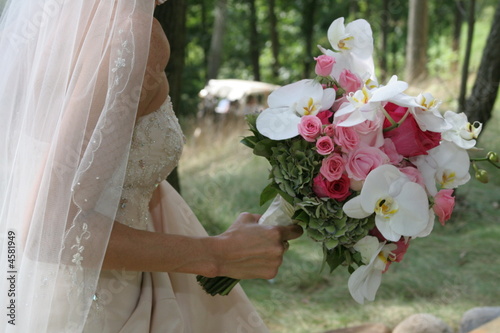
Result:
{"points": [[408, 138], [332, 167], [370, 131], [310, 127], [414, 175], [324, 65], [337, 190], [325, 145], [329, 130], [349, 81], [390, 150], [443, 206], [337, 104], [324, 116], [363, 160], [346, 137]]}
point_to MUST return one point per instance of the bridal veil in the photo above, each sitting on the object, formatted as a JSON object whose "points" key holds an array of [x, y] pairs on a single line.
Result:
{"points": [[71, 76]]}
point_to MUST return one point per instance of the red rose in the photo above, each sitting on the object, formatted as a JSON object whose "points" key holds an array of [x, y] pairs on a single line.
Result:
{"points": [[338, 189], [325, 116], [408, 138]]}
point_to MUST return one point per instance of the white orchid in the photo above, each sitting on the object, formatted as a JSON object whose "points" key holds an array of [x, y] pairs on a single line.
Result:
{"points": [[446, 165], [365, 103], [288, 104], [462, 132], [425, 110], [352, 47], [401, 207], [365, 280]]}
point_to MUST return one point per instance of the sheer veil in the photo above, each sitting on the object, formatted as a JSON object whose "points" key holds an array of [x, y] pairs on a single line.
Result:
{"points": [[71, 74]]}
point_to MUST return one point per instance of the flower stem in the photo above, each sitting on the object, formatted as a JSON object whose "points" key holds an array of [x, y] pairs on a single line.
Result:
{"points": [[394, 124], [220, 285]]}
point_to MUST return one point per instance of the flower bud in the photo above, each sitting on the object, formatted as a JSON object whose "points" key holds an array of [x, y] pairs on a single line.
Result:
{"points": [[492, 157], [482, 176]]}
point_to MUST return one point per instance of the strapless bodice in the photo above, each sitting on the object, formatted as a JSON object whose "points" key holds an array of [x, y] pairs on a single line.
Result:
{"points": [[155, 151]]}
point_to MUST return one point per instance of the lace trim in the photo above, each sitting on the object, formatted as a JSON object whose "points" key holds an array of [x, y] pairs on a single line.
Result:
{"points": [[77, 257]]}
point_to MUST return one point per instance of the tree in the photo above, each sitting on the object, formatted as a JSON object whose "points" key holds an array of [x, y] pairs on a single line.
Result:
{"points": [[308, 20], [254, 46], [217, 43], [416, 48], [275, 44], [468, 51], [457, 31], [484, 93]]}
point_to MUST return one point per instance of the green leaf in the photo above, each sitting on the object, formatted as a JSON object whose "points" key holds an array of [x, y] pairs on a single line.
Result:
{"points": [[249, 141], [268, 193], [302, 216], [334, 257], [263, 148]]}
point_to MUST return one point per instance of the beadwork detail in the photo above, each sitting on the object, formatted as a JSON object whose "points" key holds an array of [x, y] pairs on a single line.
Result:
{"points": [[155, 150], [77, 257]]}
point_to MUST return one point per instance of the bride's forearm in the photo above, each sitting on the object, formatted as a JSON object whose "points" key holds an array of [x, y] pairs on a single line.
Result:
{"points": [[138, 250], [246, 250]]}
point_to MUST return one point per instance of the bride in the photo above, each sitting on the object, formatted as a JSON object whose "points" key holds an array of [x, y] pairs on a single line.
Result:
{"points": [[92, 237]]}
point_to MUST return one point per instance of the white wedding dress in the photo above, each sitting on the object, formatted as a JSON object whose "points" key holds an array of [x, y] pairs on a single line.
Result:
{"points": [[137, 302]]}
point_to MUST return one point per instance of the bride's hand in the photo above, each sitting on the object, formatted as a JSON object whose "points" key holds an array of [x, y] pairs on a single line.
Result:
{"points": [[248, 250]]}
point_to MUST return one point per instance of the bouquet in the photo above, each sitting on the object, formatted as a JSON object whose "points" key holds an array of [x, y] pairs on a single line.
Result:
{"points": [[362, 166]]}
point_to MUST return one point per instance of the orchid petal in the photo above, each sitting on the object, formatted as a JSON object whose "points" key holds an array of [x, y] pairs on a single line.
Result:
{"points": [[329, 96], [385, 228], [356, 281], [278, 123], [289, 94], [430, 225], [344, 109], [413, 214], [431, 121], [336, 32], [363, 37], [353, 208], [379, 181], [372, 284], [387, 92], [354, 118]]}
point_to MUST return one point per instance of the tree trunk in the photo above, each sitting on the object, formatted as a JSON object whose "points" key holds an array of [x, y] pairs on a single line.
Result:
{"points": [[468, 50], [172, 16], [484, 93], [416, 48], [275, 43], [254, 41], [457, 32], [217, 43], [308, 21], [386, 17], [205, 39]]}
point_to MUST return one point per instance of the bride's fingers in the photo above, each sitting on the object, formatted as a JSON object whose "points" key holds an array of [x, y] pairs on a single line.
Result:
{"points": [[249, 218], [291, 232]]}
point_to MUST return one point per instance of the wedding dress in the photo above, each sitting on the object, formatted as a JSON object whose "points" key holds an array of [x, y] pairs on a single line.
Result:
{"points": [[136, 302]]}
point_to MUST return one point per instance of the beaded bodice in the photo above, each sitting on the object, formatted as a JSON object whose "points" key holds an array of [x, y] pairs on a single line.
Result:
{"points": [[155, 150]]}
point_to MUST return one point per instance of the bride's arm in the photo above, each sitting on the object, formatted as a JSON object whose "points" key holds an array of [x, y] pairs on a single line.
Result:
{"points": [[245, 251]]}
